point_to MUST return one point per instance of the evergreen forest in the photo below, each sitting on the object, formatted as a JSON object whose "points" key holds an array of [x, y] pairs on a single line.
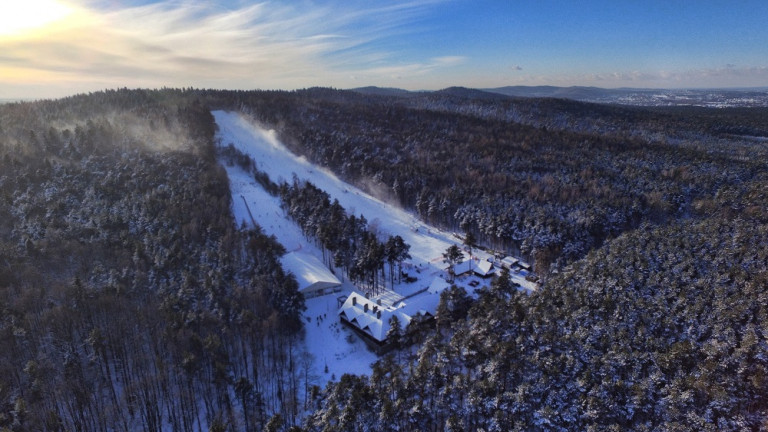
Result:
{"points": [[130, 300]]}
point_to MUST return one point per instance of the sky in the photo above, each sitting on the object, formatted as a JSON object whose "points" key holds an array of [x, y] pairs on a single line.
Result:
{"points": [[54, 48]]}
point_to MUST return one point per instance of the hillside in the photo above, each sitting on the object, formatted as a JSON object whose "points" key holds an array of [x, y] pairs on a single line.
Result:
{"points": [[646, 97], [131, 300], [547, 180]]}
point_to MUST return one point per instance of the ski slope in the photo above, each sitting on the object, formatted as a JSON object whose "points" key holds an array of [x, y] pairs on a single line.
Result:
{"points": [[272, 157]]}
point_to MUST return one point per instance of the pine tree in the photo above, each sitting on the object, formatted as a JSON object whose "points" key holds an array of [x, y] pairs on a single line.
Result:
{"points": [[469, 241], [452, 256], [395, 333]]}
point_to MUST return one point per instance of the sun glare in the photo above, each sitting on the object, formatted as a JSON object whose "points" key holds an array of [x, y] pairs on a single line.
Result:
{"points": [[24, 16]]}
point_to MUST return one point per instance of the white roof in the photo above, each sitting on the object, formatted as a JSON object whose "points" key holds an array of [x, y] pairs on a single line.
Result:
{"points": [[419, 305], [462, 267], [484, 268], [308, 270], [509, 261], [438, 285], [354, 311]]}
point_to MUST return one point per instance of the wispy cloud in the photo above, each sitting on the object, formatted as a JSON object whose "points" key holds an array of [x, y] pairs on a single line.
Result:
{"points": [[201, 43], [390, 72]]}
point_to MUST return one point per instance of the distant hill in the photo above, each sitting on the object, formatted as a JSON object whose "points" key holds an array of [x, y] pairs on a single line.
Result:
{"points": [[718, 98], [470, 93], [576, 92], [384, 91], [462, 92], [5, 101]]}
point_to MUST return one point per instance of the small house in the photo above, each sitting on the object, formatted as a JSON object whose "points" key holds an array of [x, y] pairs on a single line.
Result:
{"points": [[462, 268], [438, 285], [484, 269], [509, 262]]}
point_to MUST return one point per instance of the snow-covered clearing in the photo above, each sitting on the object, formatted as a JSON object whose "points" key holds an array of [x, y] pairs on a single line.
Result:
{"points": [[326, 340]]}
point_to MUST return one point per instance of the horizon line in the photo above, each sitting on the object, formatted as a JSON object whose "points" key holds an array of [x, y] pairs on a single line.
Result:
{"points": [[734, 88]]}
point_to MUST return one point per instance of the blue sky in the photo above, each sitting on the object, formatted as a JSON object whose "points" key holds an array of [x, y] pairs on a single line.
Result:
{"points": [[51, 48]]}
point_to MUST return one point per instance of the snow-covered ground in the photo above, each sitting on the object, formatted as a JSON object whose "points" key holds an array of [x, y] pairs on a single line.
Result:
{"points": [[331, 344]]}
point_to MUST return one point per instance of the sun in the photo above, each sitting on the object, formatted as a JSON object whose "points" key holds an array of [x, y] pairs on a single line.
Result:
{"points": [[26, 16]]}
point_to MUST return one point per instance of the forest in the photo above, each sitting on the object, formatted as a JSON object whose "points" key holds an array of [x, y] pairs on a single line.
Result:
{"points": [[130, 301]]}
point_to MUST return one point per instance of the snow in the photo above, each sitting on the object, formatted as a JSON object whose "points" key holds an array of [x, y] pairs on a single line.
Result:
{"points": [[266, 211], [509, 262], [427, 243], [484, 268], [374, 318], [438, 285], [419, 305], [309, 271], [462, 267], [332, 345]]}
